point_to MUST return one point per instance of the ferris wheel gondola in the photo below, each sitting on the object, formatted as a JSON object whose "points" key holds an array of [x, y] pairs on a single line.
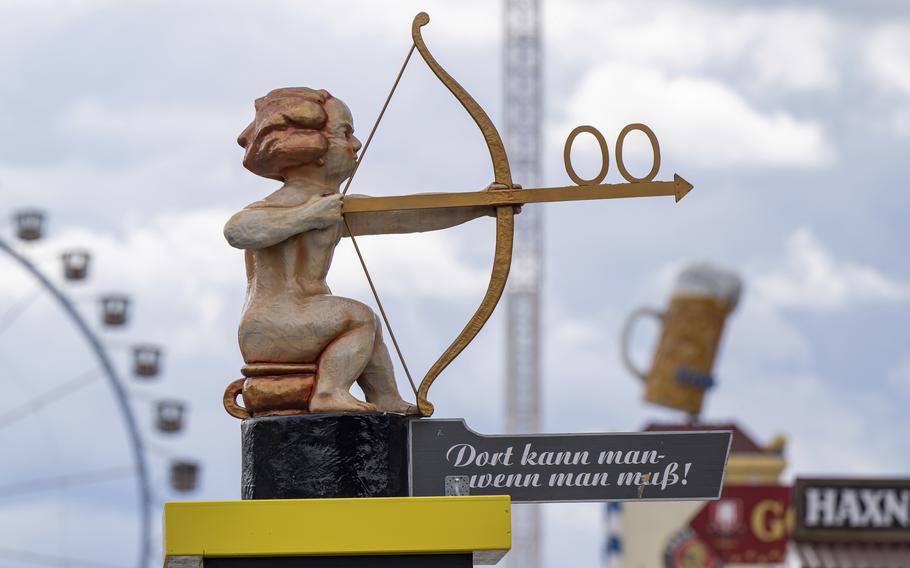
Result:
{"points": [[76, 461]]}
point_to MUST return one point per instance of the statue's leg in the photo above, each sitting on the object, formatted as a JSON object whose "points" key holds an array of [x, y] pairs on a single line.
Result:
{"points": [[344, 359], [378, 380]]}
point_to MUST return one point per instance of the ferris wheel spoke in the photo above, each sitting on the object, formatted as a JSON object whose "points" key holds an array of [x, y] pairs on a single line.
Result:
{"points": [[17, 309], [57, 393], [108, 374], [160, 450], [65, 481], [41, 559]]}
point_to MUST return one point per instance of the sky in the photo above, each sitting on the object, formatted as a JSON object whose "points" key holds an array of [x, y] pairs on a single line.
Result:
{"points": [[792, 120]]}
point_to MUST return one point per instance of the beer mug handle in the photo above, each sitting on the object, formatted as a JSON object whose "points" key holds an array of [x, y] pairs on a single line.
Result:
{"points": [[230, 400], [627, 337]]}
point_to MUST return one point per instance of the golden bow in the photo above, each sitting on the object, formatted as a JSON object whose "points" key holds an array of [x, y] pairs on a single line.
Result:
{"points": [[504, 216], [503, 196]]}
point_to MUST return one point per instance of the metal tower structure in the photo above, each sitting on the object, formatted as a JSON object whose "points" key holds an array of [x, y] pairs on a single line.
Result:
{"points": [[523, 105]]}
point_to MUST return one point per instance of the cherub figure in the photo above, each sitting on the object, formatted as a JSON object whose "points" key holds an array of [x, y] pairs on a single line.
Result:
{"points": [[305, 139]]}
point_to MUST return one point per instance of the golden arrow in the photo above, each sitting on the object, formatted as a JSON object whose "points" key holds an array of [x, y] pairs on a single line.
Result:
{"points": [[678, 188]]}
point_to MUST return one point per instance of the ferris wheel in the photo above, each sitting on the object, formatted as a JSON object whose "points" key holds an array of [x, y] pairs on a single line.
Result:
{"points": [[80, 473]]}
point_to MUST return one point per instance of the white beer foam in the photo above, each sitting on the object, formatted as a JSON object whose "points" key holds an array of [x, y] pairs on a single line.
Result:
{"points": [[703, 279]]}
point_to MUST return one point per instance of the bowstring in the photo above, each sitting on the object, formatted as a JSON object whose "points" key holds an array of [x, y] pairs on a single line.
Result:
{"points": [[385, 105], [385, 318], [363, 264]]}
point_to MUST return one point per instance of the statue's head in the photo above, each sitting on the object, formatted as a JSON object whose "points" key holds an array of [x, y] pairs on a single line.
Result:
{"points": [[299, 128]]}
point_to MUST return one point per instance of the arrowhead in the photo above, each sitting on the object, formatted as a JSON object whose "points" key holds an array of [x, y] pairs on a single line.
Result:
{"points": [[682, 187]]}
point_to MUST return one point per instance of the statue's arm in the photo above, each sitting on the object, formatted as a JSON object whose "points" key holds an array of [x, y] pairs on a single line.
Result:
{"points": [[412, 221], [262, 225]]}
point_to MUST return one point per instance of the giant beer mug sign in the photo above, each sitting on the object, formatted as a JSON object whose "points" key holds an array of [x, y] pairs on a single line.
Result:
{"points": [[691, 328]]}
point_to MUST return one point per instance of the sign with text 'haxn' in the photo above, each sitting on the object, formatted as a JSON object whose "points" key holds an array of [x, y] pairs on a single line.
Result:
{"points": [[449, 458], [838, 510]]}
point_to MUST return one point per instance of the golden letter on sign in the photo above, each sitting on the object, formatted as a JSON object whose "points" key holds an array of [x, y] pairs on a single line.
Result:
{"points": [[768, 521]]}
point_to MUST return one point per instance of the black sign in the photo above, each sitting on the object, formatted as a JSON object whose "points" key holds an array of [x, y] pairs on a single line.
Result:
{"points": [[448, 458], [852, 510]]}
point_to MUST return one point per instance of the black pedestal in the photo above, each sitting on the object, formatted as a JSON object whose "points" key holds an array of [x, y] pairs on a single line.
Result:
{"points": [[309, 456]]}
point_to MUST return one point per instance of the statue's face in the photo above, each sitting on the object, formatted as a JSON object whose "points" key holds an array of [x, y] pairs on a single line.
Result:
{"points": [[292, 129], [343, 146]]}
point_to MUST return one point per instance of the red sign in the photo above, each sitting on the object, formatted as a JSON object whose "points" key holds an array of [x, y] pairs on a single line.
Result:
{"points": [[749, 524]]}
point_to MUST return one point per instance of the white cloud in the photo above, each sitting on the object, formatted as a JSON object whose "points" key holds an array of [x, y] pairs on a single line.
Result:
{"points": [[697, 120], [887, 58], [53, 527], [888, 55], [162, 127], [22, 22], [812, 278], [899, 376], [770, 382], [819, 419], [702, 76], [775, 49], [430, 265], [790, 48], [458, 23], [759, 336]]}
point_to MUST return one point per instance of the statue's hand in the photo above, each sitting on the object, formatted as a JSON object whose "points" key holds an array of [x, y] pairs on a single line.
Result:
{"points": [[326, 211]]}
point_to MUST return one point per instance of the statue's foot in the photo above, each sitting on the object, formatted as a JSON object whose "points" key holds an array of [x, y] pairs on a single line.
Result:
{"points": [[338, 401], [394, 404]]}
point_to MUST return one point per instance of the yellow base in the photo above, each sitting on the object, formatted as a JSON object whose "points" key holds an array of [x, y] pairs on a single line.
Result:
{"points": [[325, 527]]}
